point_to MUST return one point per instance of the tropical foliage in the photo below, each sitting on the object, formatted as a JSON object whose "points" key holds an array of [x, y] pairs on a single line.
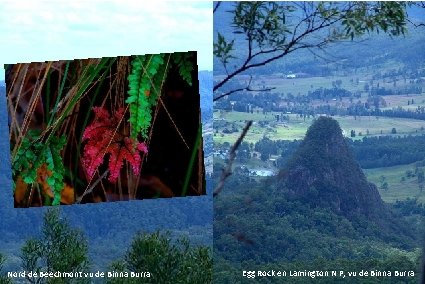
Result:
{"points": [[58, 144], [35, 160]]}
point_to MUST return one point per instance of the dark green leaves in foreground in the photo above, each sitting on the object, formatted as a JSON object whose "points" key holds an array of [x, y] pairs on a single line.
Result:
{"points": [[222, 49], [60, 248], [166, 262], [148, 73], [33, 153], [63, 248], [3, 278], [262, 22], [365, 17], [184, 63], [140, 96]]}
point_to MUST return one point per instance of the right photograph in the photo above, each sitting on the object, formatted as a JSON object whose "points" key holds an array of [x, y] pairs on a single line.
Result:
{"points": [[319, 142]]}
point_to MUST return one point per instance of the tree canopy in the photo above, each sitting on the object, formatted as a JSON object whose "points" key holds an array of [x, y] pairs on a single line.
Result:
{"points": [[166, 262], [60, 248]]}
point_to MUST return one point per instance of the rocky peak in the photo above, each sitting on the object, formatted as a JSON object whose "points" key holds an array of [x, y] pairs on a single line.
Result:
{"points": [[324, 173]]}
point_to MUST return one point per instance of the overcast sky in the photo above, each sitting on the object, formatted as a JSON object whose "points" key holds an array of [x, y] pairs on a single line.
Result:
{"points": [[40, 30]]}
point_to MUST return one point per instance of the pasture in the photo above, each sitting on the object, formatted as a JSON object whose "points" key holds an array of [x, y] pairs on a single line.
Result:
{"points": [[296, 127], [398, 189]]}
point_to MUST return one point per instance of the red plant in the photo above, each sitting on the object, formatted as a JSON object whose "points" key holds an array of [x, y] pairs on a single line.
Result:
{"points": [[103, 138]]}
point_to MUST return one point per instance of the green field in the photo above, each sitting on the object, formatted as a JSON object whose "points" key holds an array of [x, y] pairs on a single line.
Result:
{"points": [[352, 82], [397, 189], [297, 127], [394, 101], [303, 85]]}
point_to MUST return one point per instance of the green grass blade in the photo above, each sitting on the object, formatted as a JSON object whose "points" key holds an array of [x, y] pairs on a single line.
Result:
{"points": [[192, 161]]}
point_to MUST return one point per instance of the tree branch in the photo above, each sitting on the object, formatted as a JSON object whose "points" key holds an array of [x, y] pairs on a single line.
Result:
{"points": [[416, 25], [232, 155], [89, 190], [242, 89], [247, 88], [216, 6]]}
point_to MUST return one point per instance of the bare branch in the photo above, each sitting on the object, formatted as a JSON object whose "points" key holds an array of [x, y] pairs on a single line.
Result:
{"points": [[242, 89], [232, 155], [247, 88], [419, 4], [416, 25], [89, 190], [216, 6]]}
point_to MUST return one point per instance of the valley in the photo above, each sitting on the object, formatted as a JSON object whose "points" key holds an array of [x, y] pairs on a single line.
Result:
{"points": [[331, 172]]}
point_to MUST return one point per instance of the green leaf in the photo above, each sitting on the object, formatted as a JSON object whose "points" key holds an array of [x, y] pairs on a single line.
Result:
{"points": [[34, 153], [28, 179], [142, 80]]}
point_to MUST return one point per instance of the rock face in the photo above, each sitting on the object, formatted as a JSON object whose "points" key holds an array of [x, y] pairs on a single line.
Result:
{"points": [[324, 173]]}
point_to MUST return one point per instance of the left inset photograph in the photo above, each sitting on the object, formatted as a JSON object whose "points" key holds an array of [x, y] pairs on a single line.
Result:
{"points": [[107, 129]]}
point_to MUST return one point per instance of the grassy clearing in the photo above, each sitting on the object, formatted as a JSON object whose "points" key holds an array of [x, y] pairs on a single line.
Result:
{"points": [[402, 101], [375, 125], [392, 101], [296, 127], [303, 85], [397, 189], [353, 82]]}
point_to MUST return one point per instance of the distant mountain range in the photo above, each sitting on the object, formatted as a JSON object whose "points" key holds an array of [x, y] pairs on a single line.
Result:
{"points": [[205, 90]]}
